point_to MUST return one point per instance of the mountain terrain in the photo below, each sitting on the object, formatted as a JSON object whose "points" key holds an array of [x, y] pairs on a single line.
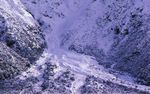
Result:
{"points": [[74, 47]]}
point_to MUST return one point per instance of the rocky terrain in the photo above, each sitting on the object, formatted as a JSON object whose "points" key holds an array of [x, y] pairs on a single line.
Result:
{"points": [[21, 39], [74, 47]]}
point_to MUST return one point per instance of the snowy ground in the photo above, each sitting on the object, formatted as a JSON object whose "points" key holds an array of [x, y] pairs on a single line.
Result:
{"points": [[56, 18], [82, 66]]}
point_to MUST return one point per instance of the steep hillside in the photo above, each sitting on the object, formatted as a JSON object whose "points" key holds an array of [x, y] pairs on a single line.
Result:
{"points": [[115, 33], [21, 40], [93, 47]]}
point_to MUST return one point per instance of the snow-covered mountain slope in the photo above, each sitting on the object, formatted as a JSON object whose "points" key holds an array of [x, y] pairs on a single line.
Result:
{"points": [[110, 31], [70, 21], [17, 23], [98, 30], [55, 75], [21, 40]]}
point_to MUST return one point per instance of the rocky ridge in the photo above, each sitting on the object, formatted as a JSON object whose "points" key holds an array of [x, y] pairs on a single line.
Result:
{"points": [[21, 39]]}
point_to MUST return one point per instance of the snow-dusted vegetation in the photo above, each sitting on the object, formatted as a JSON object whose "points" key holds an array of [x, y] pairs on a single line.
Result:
{"points": [[74, 47]]}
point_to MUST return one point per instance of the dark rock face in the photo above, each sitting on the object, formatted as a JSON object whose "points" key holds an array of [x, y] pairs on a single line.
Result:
{"points": [[11, 64]]}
